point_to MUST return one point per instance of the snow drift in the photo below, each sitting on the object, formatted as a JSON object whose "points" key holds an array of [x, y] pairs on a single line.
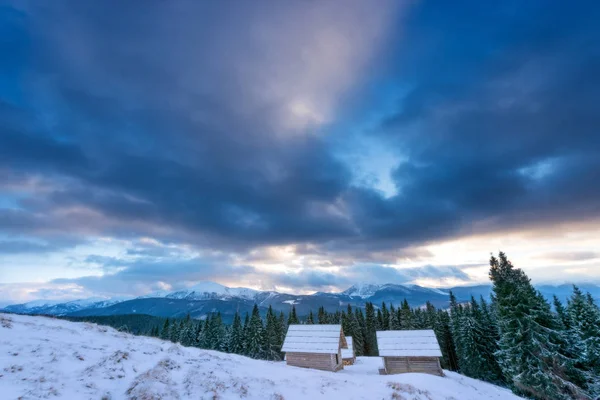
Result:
{"points": [[49, 358]]}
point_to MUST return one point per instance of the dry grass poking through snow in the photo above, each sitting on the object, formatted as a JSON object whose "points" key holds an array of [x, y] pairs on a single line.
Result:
{"points": [[45, 358], [5, 322]]}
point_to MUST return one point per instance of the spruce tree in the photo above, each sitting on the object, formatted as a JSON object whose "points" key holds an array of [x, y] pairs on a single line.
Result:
{"points": [[360, 318], [236, 339], [489, 342], [385, 320], [282, 327], [456, 319], [379, 319], [293, 318], [585, 320], [245, 331], [272, 337], [164, 333], [357, 335], [471, 360], [255, 335], [198, 335], [446, 340], [187, 336], [217, 333], [405, 316], [174, 330], [529, 345], [322, 316], [430, 316], [561, 312], [370, 330], [394, 322], [418, 318]]}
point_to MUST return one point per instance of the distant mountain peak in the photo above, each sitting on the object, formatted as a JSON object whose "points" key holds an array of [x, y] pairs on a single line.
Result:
{"points": [[363, 290], [211, 290]]}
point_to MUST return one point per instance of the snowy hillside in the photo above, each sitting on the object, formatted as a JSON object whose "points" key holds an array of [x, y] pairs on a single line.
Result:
{"points": [[57, 307], [47, 358]]}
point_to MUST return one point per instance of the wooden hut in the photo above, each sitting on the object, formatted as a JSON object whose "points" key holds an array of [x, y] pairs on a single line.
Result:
{"points": [[409, 351], [315, 346], [348, 355]]}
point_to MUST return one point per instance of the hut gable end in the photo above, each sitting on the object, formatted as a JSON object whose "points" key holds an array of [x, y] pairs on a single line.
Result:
{"points": [[348, 352]]}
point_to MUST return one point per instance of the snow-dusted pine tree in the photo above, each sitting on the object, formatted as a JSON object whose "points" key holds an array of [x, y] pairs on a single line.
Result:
{"points": [[585, 329], [529, 344], [254, 338], [394, 322], [236, 339]]}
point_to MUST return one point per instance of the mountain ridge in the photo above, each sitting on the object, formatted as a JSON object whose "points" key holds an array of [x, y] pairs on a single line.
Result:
{"points": [[208, 297]]}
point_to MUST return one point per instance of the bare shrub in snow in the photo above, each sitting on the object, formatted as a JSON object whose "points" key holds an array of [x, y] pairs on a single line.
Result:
{"points": [[110, 367], [154, 384], [402, 389], [5, 322]]}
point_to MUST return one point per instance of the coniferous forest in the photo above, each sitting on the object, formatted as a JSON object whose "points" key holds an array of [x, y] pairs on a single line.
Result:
{"points": [[515, 339]]}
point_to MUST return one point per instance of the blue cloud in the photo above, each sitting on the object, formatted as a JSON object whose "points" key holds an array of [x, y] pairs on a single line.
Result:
{"points": [[228, 128]]}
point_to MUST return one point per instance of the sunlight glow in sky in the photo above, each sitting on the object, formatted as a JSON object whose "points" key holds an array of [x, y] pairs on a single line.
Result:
{"points": [[295, 146]]}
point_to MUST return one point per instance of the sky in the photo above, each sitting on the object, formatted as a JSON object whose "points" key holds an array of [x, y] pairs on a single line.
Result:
{"points": [[297, 146]]}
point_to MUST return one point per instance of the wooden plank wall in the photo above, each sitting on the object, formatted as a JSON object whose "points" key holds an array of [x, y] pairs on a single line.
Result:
{"points": [[401, 365], [325, 362]]}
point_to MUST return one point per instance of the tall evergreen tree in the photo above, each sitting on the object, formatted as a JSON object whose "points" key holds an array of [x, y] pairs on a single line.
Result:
{"points": [[272, 337], [430, 316], [528, 347], [282, 327], [187, 336], [255, 335], [164, 333], [405, 316], [293, 318], [456, 319], [322, 316], [394, 322], [236, 340], [561, 312], [385, 317], [446, 341], [489, 342], [174, 330], [585, 320], [198, 335], [379, 320], [471, 360], [370, 337]]}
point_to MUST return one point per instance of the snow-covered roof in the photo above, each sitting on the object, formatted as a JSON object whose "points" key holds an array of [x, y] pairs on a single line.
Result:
{"points": [[349, 352], [324, 339], [416, 343]]}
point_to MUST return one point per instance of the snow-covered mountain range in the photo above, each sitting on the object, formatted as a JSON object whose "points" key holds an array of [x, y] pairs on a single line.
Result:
{"points": [[207, 297]]}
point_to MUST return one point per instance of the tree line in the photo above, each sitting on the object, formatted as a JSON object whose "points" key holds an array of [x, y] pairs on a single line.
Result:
{"points": [[517, 339]]}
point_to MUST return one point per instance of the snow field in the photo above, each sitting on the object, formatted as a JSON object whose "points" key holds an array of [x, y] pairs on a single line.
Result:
{"points": [[45, 358]]}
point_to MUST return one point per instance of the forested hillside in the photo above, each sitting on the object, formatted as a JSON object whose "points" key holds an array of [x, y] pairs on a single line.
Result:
{"points": [[518, 340]]}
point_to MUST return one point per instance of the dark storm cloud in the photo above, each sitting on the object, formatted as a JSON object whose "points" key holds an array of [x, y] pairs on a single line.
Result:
{"points": [[175, 123], [500, 128], [151, 148]]}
